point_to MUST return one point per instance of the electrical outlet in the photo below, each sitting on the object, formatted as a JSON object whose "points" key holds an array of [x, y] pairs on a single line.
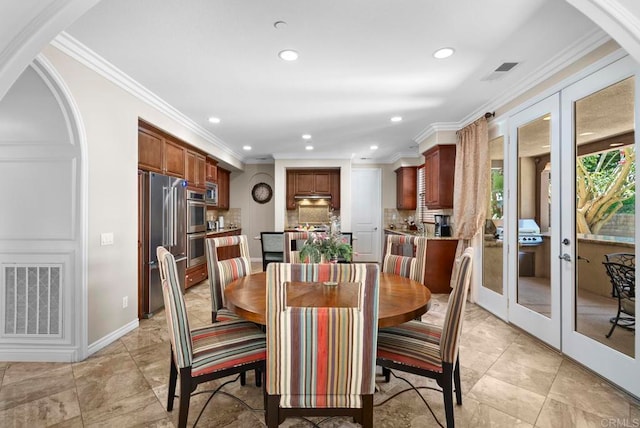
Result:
{"points": [[125, 302], [106, 238]]}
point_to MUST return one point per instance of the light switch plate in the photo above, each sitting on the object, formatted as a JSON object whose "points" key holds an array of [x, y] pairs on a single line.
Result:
{"points": [[106, 238]]}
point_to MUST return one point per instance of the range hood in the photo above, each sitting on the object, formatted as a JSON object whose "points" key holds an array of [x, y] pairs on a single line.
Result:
{"points": [[312, 197]]}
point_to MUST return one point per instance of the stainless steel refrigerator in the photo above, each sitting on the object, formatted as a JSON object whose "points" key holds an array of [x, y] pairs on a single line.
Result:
{"points": [[165, 215]]}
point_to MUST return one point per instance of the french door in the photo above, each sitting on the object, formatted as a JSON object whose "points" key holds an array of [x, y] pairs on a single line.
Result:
{"points": [[599, 115], [562, 200], [532, 267]]}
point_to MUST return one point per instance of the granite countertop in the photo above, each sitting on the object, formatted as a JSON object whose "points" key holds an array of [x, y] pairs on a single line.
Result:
{"points": [[417, 233], [228, 229]]}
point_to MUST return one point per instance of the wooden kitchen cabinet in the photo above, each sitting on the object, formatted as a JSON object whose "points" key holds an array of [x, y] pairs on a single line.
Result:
{"points": [[229, 252], [441, 253], [223, 189], [335, 190], [406, 185], [150, 150], [195, 168], [439, 164], [313, 182], [291, 190], [305, 182], [195, 275], [158, 153], [174, 159], [322, 183], [211, 170]]}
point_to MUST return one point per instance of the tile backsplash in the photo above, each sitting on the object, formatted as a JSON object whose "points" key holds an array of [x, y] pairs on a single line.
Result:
{"points": [[231, 216]]}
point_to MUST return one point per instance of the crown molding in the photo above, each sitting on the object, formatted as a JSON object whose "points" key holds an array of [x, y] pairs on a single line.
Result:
{"points": [[81, 53], [436, 127]]}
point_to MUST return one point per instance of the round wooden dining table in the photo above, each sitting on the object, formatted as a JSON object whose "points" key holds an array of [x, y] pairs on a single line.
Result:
{"points": [[400, 299]]}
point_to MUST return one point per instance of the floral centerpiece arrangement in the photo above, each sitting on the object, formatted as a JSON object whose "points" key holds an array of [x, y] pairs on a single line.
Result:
{"points": [[327, 247]]}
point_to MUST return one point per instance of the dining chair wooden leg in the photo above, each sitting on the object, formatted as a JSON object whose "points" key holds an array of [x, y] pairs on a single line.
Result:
{"points": [[367, 411], [258, 375], [446, 383], [185, 396], [387, 374], [243, 378], [456, 381], [173, 377], [272, 410]]}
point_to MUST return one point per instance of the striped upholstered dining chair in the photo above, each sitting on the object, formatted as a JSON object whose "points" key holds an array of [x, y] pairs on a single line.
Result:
{"points": [[406, 256], [429, 350], [203, 354], [222, 272], [291, 254], [321, 360]]}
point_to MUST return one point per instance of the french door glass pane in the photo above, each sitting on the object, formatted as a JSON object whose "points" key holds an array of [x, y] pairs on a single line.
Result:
{"points": [[492, 247], [534, 207], [605, 213]]}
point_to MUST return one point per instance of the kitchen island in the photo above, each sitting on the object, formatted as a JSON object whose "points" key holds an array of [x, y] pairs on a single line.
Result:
{"points": [[441, 252]]}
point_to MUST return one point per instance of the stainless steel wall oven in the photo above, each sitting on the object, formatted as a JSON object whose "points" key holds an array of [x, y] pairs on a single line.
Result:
{"points": [[195, 249], [196, 212]]}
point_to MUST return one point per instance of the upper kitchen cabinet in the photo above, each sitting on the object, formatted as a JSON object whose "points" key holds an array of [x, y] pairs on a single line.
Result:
{"points": [[211, 174], [439, 164], [406, 185], [291, 190], [195, 169], [157, 153], [223, 189], [174, 159], [309, 182], [335, 190]]}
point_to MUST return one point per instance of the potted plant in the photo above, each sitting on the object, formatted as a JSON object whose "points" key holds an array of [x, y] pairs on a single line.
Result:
{"points": [[325, 247]]}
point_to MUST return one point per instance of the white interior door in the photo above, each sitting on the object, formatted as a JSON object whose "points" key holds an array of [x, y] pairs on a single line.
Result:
{"points": [[366, 207], [532, 259], [599, 141]]}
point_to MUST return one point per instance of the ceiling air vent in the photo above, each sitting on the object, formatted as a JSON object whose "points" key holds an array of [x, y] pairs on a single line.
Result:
{"points": [[499, 72]]}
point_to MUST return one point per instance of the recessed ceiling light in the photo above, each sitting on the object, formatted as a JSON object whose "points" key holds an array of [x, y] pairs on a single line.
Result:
{"points": [[616, 144], [546, 146], [246, 147], [214, 119], [584, 134], [306, 136], [309, 147], [396, 119], [443, 53], [279, 25], [547, 117], [373, 147], [288, 55]]}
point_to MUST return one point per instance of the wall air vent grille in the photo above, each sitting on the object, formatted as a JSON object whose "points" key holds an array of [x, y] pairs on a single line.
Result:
{"points": [[32, 300]]}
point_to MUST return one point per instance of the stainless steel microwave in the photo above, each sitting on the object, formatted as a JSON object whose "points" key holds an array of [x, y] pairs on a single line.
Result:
{"points": [[211, 194]]}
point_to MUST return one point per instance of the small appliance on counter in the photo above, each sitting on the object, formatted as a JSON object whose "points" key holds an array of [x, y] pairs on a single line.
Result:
{"points": [[442, 225], [220, 222], [212, 225]]}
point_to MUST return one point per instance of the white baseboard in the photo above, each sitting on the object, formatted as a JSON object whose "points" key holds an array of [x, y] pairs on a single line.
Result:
{"points": [[39, 355], [112, 337]]}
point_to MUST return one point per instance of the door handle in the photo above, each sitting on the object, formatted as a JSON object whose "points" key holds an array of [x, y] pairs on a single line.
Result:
{"points": [[566, 257], [375, 228]]}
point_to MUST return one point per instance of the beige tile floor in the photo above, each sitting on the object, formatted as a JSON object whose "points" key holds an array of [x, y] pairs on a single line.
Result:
{"points": [[508, 379]]}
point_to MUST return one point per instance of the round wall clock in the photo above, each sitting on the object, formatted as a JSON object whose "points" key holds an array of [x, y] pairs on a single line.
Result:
{"points": [[262, 193]]}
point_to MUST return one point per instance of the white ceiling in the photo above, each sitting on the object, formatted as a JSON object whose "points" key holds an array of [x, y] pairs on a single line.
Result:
{"points": [[361, 62]]}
